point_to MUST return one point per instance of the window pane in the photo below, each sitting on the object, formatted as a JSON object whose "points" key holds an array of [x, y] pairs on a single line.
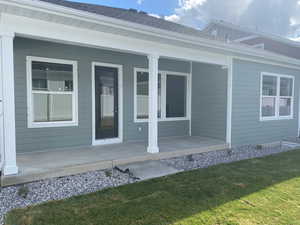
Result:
{"points": [[142, 91], [285, 107], [269, 85], [268, 106], [52, 107], [286, 86], [52, 76], [176, 96]]}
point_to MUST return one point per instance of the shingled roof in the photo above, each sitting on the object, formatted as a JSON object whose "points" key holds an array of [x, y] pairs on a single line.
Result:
{"points": [[130, 15]]}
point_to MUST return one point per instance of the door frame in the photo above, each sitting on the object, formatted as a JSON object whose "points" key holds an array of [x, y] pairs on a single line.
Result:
{"points": [[119, 139]]}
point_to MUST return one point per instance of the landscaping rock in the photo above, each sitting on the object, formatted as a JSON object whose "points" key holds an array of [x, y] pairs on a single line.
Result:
{"points": [[61, 188], [57, 188]]}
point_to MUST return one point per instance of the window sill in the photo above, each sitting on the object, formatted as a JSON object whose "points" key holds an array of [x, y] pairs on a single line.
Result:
{"points": [[277, 118], [53, 124], [162, 120]]}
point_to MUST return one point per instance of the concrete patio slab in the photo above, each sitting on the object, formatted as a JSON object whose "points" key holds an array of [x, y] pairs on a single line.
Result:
{"points": [[69, 161]]}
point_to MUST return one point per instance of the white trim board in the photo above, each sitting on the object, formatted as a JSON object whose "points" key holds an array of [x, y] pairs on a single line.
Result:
{"points": [[66, 12], [191, 97], [266, 62], [164, 74], [298, 133], [120, 108], [1, 113], [74, 93], [250, 37], [49, 31]]}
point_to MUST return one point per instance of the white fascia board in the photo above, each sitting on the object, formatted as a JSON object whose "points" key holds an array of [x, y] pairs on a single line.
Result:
{"points": [[28, 27], [257, 32], [130, 26], [247, 38]]}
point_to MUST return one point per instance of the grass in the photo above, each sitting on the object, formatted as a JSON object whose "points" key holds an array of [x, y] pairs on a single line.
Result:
{"points": [[257, 191]]}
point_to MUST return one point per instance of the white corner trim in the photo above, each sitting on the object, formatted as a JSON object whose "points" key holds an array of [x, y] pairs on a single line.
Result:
{"points": [[189, 97], [30, 112], [298, 133], [119, 139], [277, 97], [1, 114], [164, 74], [229, 102]]}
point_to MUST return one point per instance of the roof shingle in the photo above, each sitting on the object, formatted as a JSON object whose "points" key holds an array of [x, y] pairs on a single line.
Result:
{"points": [[130, 16]]}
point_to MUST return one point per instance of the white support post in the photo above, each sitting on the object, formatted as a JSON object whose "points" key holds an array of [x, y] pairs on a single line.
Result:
{"points": [[229, 102], [153, 102], [8, 93]]}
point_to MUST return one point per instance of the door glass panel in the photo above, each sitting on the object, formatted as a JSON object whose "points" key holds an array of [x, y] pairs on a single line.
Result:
{"points": [[176, 96], [106, 102]]}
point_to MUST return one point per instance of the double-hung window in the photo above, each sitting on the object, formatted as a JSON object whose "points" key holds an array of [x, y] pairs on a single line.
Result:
{"points": [[277, 96], [172, 95], [52, 92]]}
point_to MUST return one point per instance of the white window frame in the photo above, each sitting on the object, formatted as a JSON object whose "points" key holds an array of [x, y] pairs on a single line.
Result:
{"points": [[164, 74], [277, 97], [74, 93]]}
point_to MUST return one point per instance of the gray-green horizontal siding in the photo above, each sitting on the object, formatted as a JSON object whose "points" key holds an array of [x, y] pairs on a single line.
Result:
{"points": [[209, 101], [246, 126], [38, 139]]}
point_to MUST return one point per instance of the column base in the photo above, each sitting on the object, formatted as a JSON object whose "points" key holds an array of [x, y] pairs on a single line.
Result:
{"points": [[10, 170], [153, 150]]}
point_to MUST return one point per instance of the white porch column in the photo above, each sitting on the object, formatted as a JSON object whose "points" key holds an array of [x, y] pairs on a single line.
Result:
{"points": [[153, 101], [8, 98], [229, 102]]}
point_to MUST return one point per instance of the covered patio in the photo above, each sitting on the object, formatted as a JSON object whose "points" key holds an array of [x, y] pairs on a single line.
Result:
{"points": [[77, 105], [69, 161]]}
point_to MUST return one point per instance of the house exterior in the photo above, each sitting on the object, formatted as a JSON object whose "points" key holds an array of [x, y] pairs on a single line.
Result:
{"points": [[76, 75], [257, 39]]}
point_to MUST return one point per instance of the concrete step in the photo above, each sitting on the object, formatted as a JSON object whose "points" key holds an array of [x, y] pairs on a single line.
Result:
{"points": [[149, 169]]}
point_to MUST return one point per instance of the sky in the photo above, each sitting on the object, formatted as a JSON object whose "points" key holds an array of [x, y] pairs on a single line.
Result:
{"points": [[279, 17]]}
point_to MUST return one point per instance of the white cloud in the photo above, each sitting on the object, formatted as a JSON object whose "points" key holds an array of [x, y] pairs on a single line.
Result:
{"points": [[173, 18], [190, 4], [281, 17]]}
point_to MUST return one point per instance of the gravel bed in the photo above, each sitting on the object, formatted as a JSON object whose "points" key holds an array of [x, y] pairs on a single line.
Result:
{"points": [[59, 188], [207, 159], [65, 187]]}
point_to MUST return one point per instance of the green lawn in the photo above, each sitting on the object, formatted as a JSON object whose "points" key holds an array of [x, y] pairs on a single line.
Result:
{"points": [[257, 191]]}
